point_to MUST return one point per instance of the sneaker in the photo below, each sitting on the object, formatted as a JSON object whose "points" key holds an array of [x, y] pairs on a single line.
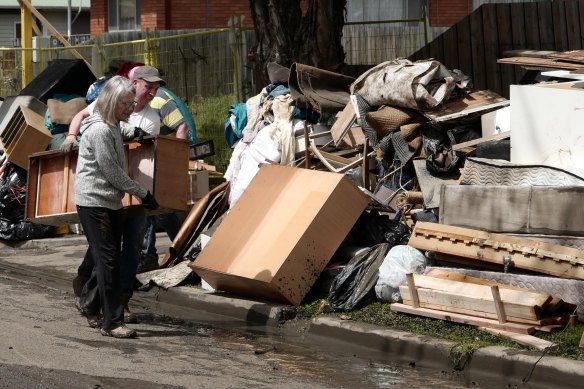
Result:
{"points": [[119, 332], [94, 321], [78, 284]]}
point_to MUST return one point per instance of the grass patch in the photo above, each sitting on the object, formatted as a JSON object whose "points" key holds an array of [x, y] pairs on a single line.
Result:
{"points": [[210, 114], [466, 339]]}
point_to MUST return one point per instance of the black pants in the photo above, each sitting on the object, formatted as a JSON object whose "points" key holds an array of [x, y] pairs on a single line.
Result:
{"points": [[103, 229]]}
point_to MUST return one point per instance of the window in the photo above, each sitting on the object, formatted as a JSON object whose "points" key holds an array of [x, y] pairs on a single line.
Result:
{"points": [[123, 15]]}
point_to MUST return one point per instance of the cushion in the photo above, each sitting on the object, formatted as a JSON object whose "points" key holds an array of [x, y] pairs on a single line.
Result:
{"points": [[63, 113]]}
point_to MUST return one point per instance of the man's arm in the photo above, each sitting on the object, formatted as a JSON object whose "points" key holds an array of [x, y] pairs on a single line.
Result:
{"points": [[182, 131], [70, 142]]}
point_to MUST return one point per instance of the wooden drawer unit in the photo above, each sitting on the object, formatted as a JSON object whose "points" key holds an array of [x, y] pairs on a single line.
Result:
{"points": [[25, 134], [159, 165]]}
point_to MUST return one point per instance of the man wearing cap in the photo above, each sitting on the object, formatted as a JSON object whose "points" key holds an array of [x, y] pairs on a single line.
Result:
{"points": [[143, 121]]}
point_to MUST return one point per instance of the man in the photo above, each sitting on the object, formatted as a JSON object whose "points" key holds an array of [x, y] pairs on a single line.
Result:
{"points": [[144, 120], [174, 118]]}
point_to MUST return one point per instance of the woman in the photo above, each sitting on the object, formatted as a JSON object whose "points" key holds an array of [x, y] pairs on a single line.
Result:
{"points": [[100, 185]]}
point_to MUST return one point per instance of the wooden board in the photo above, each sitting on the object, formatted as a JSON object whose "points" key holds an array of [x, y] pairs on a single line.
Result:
{"points": [[471, 103], [469, 146], [453, 276], [344, 121], [523, 339], [526, 254], [463, 319], [483, 307], [483, 292]]}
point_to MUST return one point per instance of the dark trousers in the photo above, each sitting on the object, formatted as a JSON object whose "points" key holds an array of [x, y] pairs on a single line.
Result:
{"points": [[103, 230], [134, 224]]}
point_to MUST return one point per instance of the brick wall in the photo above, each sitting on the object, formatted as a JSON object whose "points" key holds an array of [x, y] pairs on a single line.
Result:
{"points": [[98, 17], [177, 14], [445, 13]]}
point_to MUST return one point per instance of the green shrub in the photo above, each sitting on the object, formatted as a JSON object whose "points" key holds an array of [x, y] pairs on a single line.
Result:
{"points": [[210, 114]]}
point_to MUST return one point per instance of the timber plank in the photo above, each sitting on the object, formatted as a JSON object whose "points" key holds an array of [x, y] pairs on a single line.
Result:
{"points": [[482, 292], [477, 49], [344, 121], [546, 29], [469, 304], [453, 276], [492, 50], [531, 30], [463, 319], [559, 22], [463, 42], [449, 308], [573, 25], [505, 43], [525, 340]]}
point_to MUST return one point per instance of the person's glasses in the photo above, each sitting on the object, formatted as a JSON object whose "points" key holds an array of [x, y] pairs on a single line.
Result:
{"points": [[129, 104]]}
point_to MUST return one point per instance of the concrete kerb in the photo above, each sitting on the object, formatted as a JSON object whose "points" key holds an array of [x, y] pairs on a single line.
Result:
{"points": [[487, 367]]}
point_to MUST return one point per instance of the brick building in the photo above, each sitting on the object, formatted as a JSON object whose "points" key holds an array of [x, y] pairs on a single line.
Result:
{"points": [[116, 15]]}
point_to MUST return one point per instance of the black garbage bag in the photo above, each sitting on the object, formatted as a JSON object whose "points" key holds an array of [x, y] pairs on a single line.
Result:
{"points": [[354, 286], [373, 228], [13, 193], [23, 230]]}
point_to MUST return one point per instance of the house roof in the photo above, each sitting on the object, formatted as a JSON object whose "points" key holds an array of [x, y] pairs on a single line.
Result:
{"points": [[45, 4]]}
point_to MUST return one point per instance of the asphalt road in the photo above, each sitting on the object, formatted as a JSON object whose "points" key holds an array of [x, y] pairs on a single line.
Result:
{"points": [[44, 342]]}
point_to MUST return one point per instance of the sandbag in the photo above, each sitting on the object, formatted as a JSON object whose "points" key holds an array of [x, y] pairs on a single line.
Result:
{"points": [[420, 85]]}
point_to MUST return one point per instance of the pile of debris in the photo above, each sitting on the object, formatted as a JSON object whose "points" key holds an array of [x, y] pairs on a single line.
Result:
{"points": [[400, 170]]}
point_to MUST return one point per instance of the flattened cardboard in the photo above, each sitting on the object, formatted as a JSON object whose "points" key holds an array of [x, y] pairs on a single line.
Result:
{"points": [[279, 236]]}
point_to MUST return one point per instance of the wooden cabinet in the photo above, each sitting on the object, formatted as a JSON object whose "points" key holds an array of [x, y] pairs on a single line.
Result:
{"points": [[24, 134], [159, 165]]}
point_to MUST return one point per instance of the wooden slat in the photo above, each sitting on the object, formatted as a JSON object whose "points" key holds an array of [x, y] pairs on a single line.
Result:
{"points": [[525, 340], [505, 43], [501, 312], [464, 319], [471, 103], [485, 315], [474, 306], [518, 32], [479, 76], [573, 25], [344, 121], [450, 50], [540, 63], [491, 46], [531, 28], [509, 296], [559, 22], [471, 143], [453, 276], [463, 43], [546, 28]]}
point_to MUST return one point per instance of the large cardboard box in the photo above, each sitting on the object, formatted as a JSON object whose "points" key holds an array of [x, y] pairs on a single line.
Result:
{"points": [[279, 236]]}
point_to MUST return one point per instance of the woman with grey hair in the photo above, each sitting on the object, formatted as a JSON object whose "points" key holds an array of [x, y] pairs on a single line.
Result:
{"points": [[100, 184]]}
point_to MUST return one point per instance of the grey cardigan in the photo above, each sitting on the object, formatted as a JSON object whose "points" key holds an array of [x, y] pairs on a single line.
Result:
{"points": [[100, 178]]}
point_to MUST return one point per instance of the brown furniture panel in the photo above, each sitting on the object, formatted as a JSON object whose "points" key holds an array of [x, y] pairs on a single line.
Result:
{"points": [[159, 165]]}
